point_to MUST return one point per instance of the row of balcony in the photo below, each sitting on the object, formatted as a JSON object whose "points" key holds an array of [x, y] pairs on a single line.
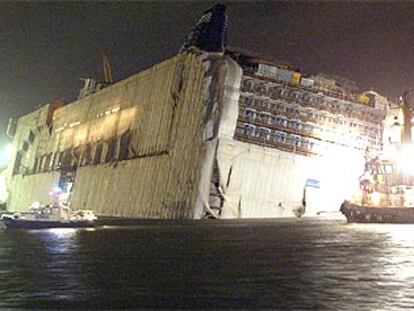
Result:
{"points": [[308, 114], [293, 94], [309, 84], [310, 127], [300, 134], [276, 139]]}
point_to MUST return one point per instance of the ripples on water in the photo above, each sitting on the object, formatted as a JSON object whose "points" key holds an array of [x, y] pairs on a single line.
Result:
{"points": [[273, 264]]}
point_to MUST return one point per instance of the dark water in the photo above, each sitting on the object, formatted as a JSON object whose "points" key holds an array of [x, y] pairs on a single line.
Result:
{"points": [[262, 264]]}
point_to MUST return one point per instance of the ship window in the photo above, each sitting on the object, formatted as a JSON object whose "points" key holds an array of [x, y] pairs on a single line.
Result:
{"points": [[111, 148], [239, 131], [292, 110], [260, 88], [34, 170], [295, 139], [98, 154], [249, 101], [264, 133], [278, 120], [265, 117], [250, 114], [43, 164], [53, 160], [304, 144], [66, 159], [250, 129], [243, 100], [25, 146], [387, 168], [247, 85], [86, 155], [58, 157], [260, 103], [273, 90], [279, 136], [31, 137], [123, 145], [273, 106], [48, 163]]}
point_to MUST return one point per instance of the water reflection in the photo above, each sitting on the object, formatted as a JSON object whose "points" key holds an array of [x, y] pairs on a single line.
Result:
{"points": [[397, 260], [271, 264]]}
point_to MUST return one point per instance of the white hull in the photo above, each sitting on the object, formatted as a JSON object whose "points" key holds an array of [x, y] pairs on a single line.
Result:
{"points": [[266, 182]]}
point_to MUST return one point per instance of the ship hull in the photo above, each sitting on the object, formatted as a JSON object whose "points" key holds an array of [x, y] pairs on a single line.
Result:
{"points": [[43, 224], [364, 214]]}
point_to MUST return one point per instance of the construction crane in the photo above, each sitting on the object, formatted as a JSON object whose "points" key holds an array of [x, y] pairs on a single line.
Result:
{"points": [[107, 70]]}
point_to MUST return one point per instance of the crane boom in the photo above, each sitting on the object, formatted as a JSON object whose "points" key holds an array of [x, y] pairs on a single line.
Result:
{"points": [[107, 70]]}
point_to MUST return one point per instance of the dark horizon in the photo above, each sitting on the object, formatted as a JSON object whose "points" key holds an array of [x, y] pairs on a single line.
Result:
{"points": [[47, 47]]}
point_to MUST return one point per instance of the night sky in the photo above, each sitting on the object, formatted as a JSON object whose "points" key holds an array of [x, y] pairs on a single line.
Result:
{"points": [[46, 47]]}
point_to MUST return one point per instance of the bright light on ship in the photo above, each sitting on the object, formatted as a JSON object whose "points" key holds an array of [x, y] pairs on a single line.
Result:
{"points": [[5, 154], [376, 198], [3, 190], [405, 159]]}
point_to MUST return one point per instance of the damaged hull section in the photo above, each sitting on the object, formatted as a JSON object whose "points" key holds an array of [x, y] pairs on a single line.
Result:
{"points": [[137, 148]]}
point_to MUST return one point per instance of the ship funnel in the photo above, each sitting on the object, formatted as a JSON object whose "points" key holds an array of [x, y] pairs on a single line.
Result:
{"points": [[210, 32]]}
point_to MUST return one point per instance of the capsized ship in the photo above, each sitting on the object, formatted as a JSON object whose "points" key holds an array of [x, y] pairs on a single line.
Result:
{"points": [[387, 185], [213, 132]]}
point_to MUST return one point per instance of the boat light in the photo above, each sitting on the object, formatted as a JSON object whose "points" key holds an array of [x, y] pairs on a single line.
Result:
{"points": [[376, 198]]}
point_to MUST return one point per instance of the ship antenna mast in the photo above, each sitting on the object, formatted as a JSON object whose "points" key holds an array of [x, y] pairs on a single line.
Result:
{"points": [[107, 69], [407, 113]]}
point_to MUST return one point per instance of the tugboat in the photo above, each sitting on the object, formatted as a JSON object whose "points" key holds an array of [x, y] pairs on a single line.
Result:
{"points": [[387, 186], [387, 196], [49, 216]]}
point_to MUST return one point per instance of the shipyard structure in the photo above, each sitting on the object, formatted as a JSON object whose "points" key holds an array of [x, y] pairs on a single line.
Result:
{"points": [[221, 134]]}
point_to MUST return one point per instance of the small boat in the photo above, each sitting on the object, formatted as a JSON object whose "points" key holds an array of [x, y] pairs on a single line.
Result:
{"points": [[49, 216]]}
